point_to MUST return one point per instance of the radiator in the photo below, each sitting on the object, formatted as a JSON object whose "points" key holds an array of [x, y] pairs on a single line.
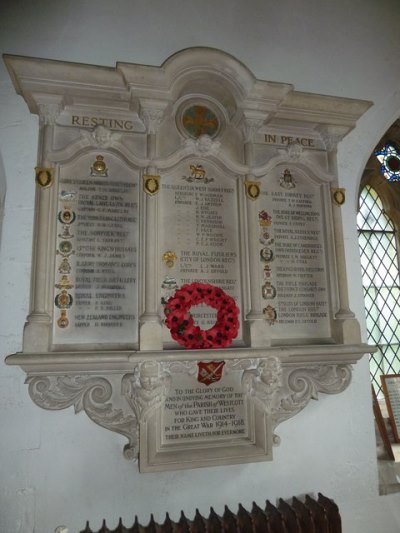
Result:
{"points": [[308, 516]]}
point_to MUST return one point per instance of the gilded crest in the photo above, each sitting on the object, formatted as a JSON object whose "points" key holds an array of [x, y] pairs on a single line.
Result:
{"points": [[338, 196], [252, 189], [169, 258], [151, 184], [99, 167], [44, 177], [210, 372]]}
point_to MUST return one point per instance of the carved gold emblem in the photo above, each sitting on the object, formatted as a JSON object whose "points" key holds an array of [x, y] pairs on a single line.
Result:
{"points": [[64, 283], [270, 314], [44, 177], [99, 167], [169, 258], [252, 189], [151, 184], [338, 196], [63, 321]]}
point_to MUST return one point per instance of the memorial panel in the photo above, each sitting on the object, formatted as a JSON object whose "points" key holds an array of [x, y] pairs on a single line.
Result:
{"points": [[200, 226], [206, 418], [293, 257], [96, 290]]}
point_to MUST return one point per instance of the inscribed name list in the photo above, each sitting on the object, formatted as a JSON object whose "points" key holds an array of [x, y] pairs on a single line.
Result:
{"points": [[96, 256], [292, 255], [194, 411], [200, 225]]}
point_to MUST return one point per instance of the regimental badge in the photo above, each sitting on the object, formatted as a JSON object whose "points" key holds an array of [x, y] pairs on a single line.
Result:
{"points": [[65, 248], [252, 189], [287, 181], [169, 258], [266, 254], [64, 283], [65, 267], [63, 321], [67, 196], [44, 177], [151, 184], [268, 291], [197, 173], [210, 372], [264, 219], [267, 271], [270, 314], [66, 216], [66, 234], [168, 286], [63, 300], [99, 167], [338, 196]]}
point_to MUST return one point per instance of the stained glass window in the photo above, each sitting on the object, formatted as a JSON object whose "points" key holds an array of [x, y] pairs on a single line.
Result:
{"points": [[389, 157], [381, 283]]}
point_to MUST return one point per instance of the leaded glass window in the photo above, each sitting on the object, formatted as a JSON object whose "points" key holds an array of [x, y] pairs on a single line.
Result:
{"points": [[380, 277], [389, 158]]}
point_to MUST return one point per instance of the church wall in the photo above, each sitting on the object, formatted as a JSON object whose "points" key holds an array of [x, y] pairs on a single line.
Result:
{"points": [[60, 468]]}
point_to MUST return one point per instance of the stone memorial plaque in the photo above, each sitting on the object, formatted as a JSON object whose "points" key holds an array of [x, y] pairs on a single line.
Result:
{"points": [[201, 423], [231, 195], [200, 225], [197, 411], [292, 255], [95, 297]]}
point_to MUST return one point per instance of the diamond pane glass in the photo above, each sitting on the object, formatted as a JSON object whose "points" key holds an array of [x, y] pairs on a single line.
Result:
{"points": [[380, 277]]}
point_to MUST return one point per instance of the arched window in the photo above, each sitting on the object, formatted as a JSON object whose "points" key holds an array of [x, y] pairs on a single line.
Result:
{"points": [[381, 283]]}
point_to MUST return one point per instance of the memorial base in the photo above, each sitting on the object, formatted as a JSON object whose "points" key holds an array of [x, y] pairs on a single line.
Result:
{"points": [[189, 409]]}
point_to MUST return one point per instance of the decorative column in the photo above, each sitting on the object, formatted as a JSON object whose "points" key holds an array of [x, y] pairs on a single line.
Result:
{"points": [[37, 330], [257, 326], [150, 328], [346, 328]]}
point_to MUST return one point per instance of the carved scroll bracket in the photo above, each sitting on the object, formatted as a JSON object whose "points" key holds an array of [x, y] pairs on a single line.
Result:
{"points": [[97, 396], [122, 402], [283, 391]]}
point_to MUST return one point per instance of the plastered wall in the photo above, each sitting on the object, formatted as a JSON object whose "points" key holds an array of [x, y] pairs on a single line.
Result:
{"points": [[58, 467]]}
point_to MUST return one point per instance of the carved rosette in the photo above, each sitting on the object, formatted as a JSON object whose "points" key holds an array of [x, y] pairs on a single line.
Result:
{"points": [[94, 395]]}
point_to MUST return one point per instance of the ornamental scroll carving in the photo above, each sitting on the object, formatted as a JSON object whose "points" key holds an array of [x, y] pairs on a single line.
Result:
{"points": [[282, 392], [96, 396], [122, 402]]}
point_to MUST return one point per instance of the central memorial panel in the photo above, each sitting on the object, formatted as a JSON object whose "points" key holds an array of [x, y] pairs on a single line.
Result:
{"points": [[200, 226]]}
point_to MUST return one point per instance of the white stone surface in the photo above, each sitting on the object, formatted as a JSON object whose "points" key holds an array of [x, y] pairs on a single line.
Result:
{"points": [[66, 474]]}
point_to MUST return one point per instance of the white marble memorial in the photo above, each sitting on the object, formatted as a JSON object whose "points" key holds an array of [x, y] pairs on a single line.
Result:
{"points": [[152, 178]]}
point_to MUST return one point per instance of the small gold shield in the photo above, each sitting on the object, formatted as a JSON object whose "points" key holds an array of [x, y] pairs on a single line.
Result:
{"points": [[338, 196], [44, 177], [151, 184], [252, 189]]}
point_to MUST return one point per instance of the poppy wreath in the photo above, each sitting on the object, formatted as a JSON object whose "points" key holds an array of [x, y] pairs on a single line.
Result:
{"points": [[181, 324]]}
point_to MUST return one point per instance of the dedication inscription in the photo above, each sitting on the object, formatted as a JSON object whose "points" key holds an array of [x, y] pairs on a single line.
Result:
{"points": [[96, 266], [200, 225], [193, 410], [292, 256]]}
